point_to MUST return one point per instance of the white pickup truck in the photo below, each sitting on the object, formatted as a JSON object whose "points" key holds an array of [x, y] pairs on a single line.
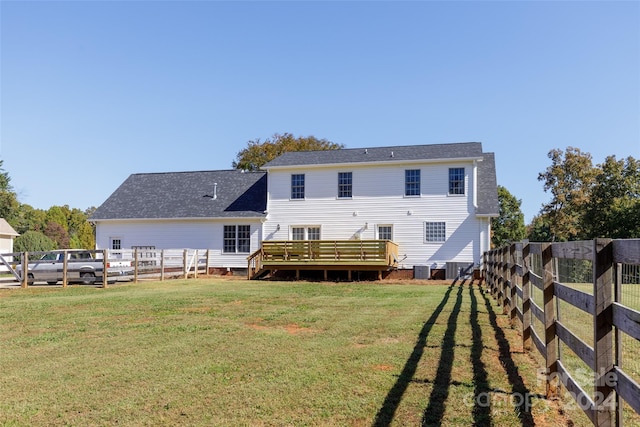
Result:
{"points": [[81, 265]]}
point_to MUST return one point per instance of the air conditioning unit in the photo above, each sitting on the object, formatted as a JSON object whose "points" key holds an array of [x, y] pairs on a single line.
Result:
{"points": [[421, 272]]}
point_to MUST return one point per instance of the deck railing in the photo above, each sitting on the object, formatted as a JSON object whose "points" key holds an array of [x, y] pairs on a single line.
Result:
{"points": [[291, 253]]}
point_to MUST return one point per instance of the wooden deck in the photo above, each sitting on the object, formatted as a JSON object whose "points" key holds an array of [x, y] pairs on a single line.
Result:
{"points": [[322, 255]]}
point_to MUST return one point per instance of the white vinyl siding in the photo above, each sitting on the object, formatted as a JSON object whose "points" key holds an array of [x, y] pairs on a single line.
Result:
{"points": [[378, 197], [180, 234]]}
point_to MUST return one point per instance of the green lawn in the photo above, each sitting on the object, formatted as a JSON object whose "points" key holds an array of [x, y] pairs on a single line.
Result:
{"points": [[233, 352]]}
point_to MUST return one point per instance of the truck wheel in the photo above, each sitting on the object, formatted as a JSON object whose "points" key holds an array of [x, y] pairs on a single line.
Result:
{"points": [[30, 279], [87, 278]]}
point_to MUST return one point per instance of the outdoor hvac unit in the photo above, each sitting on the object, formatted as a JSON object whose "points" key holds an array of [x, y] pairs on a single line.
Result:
{"points": [[421, 272]]}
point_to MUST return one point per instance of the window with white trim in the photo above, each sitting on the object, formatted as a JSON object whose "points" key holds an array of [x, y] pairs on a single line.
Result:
{"points": [[385, 232], [345, 185], [456, 180], [297, 186], [435, 232], [305, 233], [236, 239], [412, 182], [116, 244]]}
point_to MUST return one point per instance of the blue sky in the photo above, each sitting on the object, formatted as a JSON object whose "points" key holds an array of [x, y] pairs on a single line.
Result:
{"points": [[93, 91]]}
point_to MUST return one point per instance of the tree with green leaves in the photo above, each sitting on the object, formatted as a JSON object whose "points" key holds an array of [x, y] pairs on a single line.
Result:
{"points": [[509, 226], [613, 210], [258, 152], [539, 229], [29, 218], [32, 241], [5, 180], [9, 206], [570, 179]]}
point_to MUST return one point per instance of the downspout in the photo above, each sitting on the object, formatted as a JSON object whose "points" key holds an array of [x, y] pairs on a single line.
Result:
{"points": [[475, 185]]}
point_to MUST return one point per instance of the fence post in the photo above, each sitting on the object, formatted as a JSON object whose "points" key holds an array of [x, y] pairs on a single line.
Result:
{"points": [[105, 271], [526, 298], [504, 282], [617, 283], [195, 263], [551, 345], [25, 274], [161, 264], [512, 284], [135, 265], [65, 268], [604, 396], [184, 264], [489, 274]]}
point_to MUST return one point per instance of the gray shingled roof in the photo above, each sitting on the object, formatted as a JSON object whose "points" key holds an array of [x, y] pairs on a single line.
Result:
{"points": [[181, 195], [487, 187], [461, 150]]}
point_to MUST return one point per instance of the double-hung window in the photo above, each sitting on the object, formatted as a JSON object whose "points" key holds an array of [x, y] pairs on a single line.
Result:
{"points": [[456, 180], [305, 233], [435, 232], [116, 243], [345, 185], [237, 239], [412, 182], [297, 186], [385, 232]]}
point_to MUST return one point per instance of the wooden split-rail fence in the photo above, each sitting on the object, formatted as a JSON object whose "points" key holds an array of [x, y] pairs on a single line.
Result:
{"points": [[525, 279]]}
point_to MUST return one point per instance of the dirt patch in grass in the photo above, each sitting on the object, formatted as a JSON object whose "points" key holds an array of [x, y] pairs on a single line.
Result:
{"points": [[292, 328], [383, 368]]}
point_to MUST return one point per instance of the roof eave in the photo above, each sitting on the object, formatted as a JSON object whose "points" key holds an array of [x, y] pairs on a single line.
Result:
{"points": [[375, 163]]}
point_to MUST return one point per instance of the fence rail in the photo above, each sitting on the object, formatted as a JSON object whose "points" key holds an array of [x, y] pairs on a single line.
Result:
{"points": [[145, 264], [578, 303]]}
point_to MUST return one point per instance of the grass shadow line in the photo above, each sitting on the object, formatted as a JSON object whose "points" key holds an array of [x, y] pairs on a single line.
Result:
{"points": [[433, 413], [519, 390], [394, 396], [481, 409]]}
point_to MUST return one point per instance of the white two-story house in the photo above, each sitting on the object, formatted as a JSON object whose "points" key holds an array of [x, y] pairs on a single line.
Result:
{"points": [[434, 202]]}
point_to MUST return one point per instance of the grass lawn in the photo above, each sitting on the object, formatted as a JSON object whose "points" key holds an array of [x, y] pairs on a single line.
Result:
{"points": [[234, 352]]}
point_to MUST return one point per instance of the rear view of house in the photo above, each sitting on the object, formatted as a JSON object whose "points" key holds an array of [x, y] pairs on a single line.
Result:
{"points": [[434, 202], [379, 208]]}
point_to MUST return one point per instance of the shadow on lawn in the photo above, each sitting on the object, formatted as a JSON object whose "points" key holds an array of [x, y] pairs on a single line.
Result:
{"points": [[440, 391], [433, 413], [519, 391], [391, 402]]}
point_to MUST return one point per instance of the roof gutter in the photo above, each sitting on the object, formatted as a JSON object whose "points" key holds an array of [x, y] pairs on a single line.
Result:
{"points": [[374, 163]]}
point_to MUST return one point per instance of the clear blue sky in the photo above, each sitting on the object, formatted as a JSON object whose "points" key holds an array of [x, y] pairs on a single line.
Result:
{"points": [[93, 91]]}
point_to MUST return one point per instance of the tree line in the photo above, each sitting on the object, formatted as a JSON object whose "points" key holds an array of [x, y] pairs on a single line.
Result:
{"points": [[587, 201], [59, 227]]}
